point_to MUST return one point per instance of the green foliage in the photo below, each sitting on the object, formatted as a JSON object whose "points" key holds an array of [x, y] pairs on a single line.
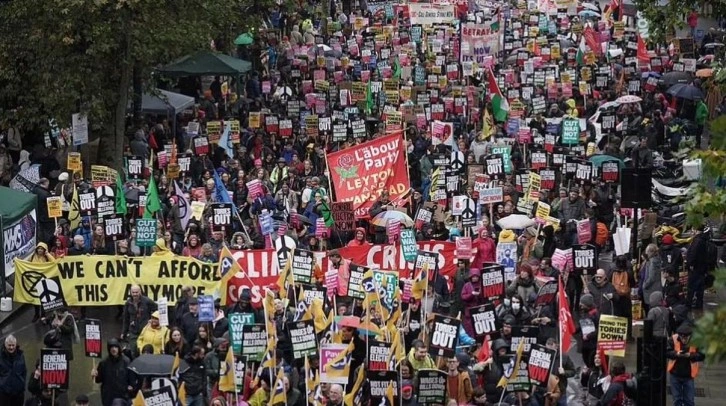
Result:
{"points": [[710, 328], [59, 57], [667, 16]]}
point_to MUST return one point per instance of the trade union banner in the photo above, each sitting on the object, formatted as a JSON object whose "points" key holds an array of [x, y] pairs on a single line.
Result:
{"points": [[359, 174], [478, 41]]}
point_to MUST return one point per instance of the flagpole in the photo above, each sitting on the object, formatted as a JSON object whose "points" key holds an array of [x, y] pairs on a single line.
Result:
{"points": [[560, 326]]}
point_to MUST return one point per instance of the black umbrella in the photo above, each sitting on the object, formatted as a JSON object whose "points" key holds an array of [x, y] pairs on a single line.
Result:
{"points": [[688, 92], [673, 78], [152, 365], [300, 218]]}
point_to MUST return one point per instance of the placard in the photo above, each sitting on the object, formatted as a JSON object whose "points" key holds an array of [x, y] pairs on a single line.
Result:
{"points": [[491, 195], [114, 226], [431, 387], [206, 308], [484, 319], [146, 232], [494, 165], [237, 321], [163, 396], [355, 289], [74, 163], [408, 245], [570, 131], [379, 354], [304, 341], [612, 335], [507, 257], [541, 360], [254, 341], [610, 172], [87, 203], [92, 339], [54, 371], [444, 336], [493, 283], [302, 265], [546, 293], [343, 215], [221, 216], [585, 257], [201, 145], [134, 167], [329, 352], [55, 206]]}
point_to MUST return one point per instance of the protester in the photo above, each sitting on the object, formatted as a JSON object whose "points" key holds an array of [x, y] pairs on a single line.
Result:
{"points": [[113, 375], [153, 334], [683, 365], [14, 372]]}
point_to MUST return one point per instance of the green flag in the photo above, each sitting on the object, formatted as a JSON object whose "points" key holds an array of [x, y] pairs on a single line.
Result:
{"points": [[120, 197], [396, 70], [369, 99], [152, 200]]}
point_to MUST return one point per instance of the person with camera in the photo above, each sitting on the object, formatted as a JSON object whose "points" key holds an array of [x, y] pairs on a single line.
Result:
{"points": [[683, 365]]}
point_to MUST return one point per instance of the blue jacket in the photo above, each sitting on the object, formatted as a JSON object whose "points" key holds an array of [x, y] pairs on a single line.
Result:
{"points": [[12, 372]]}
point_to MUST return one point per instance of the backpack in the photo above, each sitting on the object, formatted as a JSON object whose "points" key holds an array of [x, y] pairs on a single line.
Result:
{"points": [[621, 283], [603, 234], [711, 256]]}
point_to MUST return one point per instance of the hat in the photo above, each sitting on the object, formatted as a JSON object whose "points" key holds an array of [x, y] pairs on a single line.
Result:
{"points": [[684, 330], [63, 177], [406, 384], [246, 295], [506, 236], [258, 162], [667, 239], [193, 301], [82, 399], [587, 300], [160, 244], [531, 231], [281, 160], [155, 314], [575, 190]]}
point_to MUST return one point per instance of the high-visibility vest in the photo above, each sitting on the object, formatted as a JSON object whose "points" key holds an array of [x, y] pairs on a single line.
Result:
{"points": [[677, 349]]}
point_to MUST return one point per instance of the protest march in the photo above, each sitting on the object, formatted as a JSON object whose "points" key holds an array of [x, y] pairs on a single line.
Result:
{"points": [[380, 203]]}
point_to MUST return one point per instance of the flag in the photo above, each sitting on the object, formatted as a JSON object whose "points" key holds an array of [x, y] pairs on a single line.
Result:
{"points": [[435, 175], [182, 394], [312, 381], [592, 39], [396, 70], [485, 351], [581, 51], [175, 366], [225, 142], [120, 197], [302, 310], [268, 305], [278, 395], [567, 325], [369, 99], [500, 106], [643, 57], [603, 360], [339, 366], [285, 277], [268, 358], [487, 129], [185, 209], [228, 268], [354, 397], [391, 394], [220, 192], [153, 204], [139, 399], [504, 381], [227, 379], [418, 289], [319, 319], [74, 215]]}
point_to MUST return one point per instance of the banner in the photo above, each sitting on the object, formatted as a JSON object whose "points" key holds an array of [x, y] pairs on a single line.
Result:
{"points": [[429, 14], [102, 280], [612, 334], [304, 341], [431, 387], [478, 42], [359, 174], [237, 321], [444, 336], [329, 352], [54, 371], [484, 319], [254, 341], [92, 340], [19, 240], [540, 364]]}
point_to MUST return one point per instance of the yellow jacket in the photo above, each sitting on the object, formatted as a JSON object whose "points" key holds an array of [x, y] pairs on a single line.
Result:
{"points": [[157, 337], [260, 398]]}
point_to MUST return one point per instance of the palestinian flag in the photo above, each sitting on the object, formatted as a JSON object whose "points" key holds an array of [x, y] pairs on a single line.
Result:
{"points": [[500, 105], [581, 51]]}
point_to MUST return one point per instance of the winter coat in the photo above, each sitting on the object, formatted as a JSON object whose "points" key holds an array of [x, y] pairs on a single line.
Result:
{"points": [[522, 287], [570, 210], [190, 326], [659, 314], [136, 316], [156, 337], [465, 390], [139, 145], [471, 300], [12, 372], [486, 251], [212, 363], [114, 377], [603, 304], [193, 374], [652, 282], [671, 257]]}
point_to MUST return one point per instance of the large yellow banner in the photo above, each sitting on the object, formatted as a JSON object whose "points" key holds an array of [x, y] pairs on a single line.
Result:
{"points": [[102, 280]]}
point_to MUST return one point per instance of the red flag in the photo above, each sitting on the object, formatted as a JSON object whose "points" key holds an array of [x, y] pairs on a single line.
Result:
{"points": [[567, 325], [643, 58], [603, 361], [592, 39], [485, 352]]}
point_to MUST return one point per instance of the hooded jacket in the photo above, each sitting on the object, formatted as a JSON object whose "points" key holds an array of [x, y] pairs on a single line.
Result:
{"points": [[671, 257], [34, 257], [12, 372], [193, 374], [471, 299], [156, 337], [659, 314], [354, 242], [114, 375], [486, 251]]}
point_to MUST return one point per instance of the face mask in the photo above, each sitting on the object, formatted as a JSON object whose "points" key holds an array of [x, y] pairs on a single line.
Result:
{"points": [[507, 302], [503, 359], [516, 306]]}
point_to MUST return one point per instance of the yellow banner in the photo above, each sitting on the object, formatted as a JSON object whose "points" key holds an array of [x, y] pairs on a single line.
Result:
{"points": [[104, 280]]}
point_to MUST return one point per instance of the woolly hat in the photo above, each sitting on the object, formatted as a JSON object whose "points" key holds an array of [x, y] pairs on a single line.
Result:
{"points": [[587, 300], [507, 236]]}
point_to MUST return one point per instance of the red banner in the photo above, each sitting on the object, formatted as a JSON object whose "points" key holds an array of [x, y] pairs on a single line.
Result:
{"points": [[359, 174], [259, 267]]}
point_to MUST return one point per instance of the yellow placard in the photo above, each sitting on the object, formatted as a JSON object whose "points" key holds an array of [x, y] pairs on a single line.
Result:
{"points": [[74, 162], [255, 119], [214, 131], [55, 206], [197, 210], [543, 211], [172, 171], [105, 280], [612, 334]]}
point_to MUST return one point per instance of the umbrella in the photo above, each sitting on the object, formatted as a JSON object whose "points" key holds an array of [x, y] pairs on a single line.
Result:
{"points": [[610, 105], [598, 159], [704, 73], [646, 75], [244, 39], [26, 179], [629, 99], [672, 78], [300, 218], [382, 218], [590, 6], [152, 365], [713, 45], [588, 14], [511, 60], [347, 321], [687, 92], [515, 222]]}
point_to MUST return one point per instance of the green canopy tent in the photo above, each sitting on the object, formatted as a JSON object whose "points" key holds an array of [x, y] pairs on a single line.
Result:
{"points": [[18, 221], [207, 63]]}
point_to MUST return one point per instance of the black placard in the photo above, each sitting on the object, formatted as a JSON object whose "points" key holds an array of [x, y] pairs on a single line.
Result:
{"points": [[113, 226], [584, 257], [493, 283], [539, 365], [304, 341], [484, 319], [87, 203], [302, 265], [221, 216], [355, 289], [444, 336], [610, 171], [494, 166], [135, 167], [54, 368], [431, 387]]}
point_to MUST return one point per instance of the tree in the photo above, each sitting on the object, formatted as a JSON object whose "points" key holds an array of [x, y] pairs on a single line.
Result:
{"points": [[665, 16], [709, 204], [59, 57]]}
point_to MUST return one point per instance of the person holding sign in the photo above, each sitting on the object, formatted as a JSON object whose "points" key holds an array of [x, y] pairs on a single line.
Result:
{"points": [[40, 255], [113, 374]]}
